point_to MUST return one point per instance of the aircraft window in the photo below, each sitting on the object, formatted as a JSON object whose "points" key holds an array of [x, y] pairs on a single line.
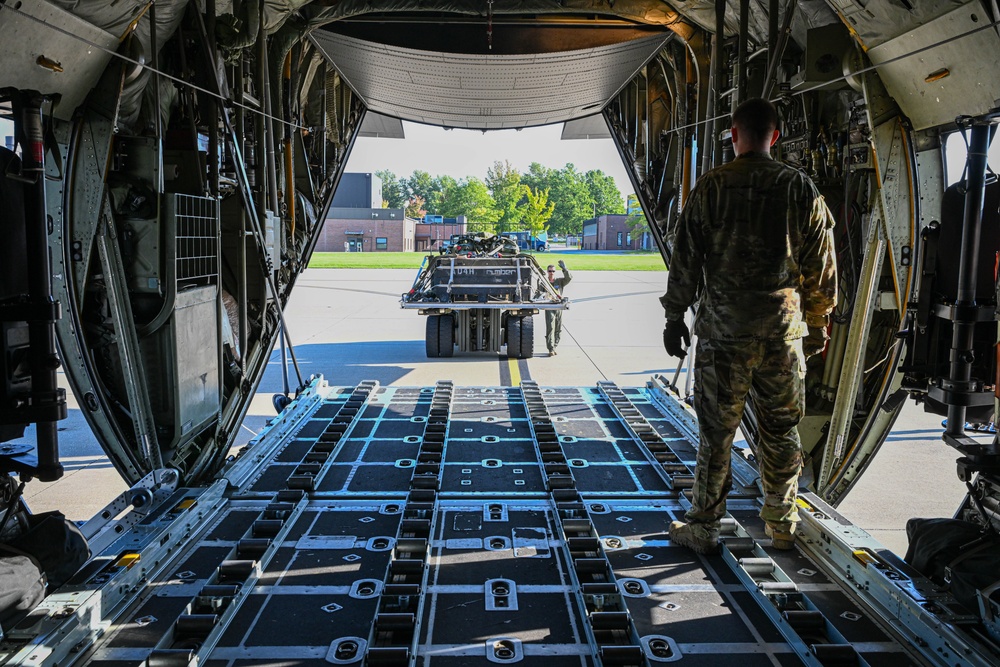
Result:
{"points": [[955, 152]]}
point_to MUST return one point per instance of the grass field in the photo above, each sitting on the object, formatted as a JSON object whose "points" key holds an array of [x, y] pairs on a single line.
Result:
{"points": [[637, 261]]}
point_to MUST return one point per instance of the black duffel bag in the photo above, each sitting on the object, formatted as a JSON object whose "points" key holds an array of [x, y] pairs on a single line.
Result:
{"points": [[956, 555], [56, 543], [48, 550], [22, 586]]}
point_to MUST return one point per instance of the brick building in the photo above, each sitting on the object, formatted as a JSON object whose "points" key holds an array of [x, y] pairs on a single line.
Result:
{"points": [[433, 230], [356, 223], [612, 232], [367, 230]]}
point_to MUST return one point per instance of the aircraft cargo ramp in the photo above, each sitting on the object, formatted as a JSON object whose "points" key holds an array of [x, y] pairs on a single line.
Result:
{"points": [[455, 526]]}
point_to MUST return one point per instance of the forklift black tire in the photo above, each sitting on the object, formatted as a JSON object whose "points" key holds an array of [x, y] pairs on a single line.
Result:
{"points": [[446, 335], [513, 337], [432, 336], [527, 337]]}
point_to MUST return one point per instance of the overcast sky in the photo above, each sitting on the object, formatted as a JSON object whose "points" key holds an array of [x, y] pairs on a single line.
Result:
{"points": [[462, 153]]}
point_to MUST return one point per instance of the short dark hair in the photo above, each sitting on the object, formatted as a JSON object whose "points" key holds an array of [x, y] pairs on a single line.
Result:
{"points": [[757, 118], [551, 267]]}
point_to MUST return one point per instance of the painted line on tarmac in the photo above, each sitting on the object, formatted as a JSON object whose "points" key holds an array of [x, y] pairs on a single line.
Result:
{"points": [[504, 372], [513, 371], [522, 364]]}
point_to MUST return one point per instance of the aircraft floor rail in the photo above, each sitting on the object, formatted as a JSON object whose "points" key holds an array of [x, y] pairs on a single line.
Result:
{"points": [[247, 463], [198, 629], [307, 476], [669, 403], [316, 464], [396, 626], [200, 626], [129, 508], [807, 630], [922, 612], [677, 474], [610, 625], [69, 621]]}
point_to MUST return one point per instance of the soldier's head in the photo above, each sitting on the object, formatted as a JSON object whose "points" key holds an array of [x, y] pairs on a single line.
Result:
{"points": [[551, 271], [755, 126]]}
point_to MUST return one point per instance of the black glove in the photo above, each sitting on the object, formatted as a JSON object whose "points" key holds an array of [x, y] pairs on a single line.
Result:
{"points": [[674, 332], [815, 342], [562, 265]]}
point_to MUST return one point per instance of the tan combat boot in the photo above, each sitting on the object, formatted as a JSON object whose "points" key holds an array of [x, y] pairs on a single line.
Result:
{"points": [[782, 538], [694, 536]]}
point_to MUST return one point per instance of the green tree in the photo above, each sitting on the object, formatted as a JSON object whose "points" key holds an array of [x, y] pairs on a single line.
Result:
{"points": [[573, 201], [393, 195], [537, 210], [538, 177], [606, 196], [470, 197], [419, 184], [439, 186], [504, 183]]}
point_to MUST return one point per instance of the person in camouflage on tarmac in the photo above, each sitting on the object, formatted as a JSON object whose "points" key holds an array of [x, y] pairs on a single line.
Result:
{"points": [[553, 318], [754, 247]]}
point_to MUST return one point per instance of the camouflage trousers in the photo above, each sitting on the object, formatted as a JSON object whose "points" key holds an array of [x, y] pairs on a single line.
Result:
{"points": [[772, 373], [553, 328]]}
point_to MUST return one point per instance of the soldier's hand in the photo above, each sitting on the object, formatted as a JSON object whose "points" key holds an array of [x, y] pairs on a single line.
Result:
{"points": [[674, 332], [562, 265], [815, 342]]}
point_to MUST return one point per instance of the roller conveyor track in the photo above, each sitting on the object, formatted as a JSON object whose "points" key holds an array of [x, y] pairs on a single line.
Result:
{"points": [[475, 525]]}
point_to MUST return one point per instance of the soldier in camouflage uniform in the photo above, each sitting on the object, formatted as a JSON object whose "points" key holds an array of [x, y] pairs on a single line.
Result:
{"points": [[756, 240], [553, 318]]}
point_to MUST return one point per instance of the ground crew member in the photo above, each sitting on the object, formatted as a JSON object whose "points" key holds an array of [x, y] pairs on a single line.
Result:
{"points": [[757, 239], [553, 318]]}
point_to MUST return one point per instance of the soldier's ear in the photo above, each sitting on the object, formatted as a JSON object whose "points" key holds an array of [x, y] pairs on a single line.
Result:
{"points": [[774, 137]]}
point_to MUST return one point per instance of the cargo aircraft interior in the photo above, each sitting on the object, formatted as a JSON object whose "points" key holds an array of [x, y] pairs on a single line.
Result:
{"points": [[173, 167]]}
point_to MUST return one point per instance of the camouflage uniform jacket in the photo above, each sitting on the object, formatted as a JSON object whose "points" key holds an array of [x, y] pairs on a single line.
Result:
{"points": [[558, 284], [757, 237]]}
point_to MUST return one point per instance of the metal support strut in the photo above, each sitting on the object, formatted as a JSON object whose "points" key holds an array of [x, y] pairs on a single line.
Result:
{"points": [[960, 371], [46, 402]]}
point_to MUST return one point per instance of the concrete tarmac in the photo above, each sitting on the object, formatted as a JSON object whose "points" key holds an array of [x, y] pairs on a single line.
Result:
{"points": [[346, 324]]}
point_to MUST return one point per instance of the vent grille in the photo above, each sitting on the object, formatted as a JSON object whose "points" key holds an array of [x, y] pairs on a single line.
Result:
{"points": [[197, 250]]}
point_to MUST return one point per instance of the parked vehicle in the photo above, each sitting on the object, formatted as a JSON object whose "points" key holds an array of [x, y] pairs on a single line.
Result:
{"points": [[529, 241]]}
